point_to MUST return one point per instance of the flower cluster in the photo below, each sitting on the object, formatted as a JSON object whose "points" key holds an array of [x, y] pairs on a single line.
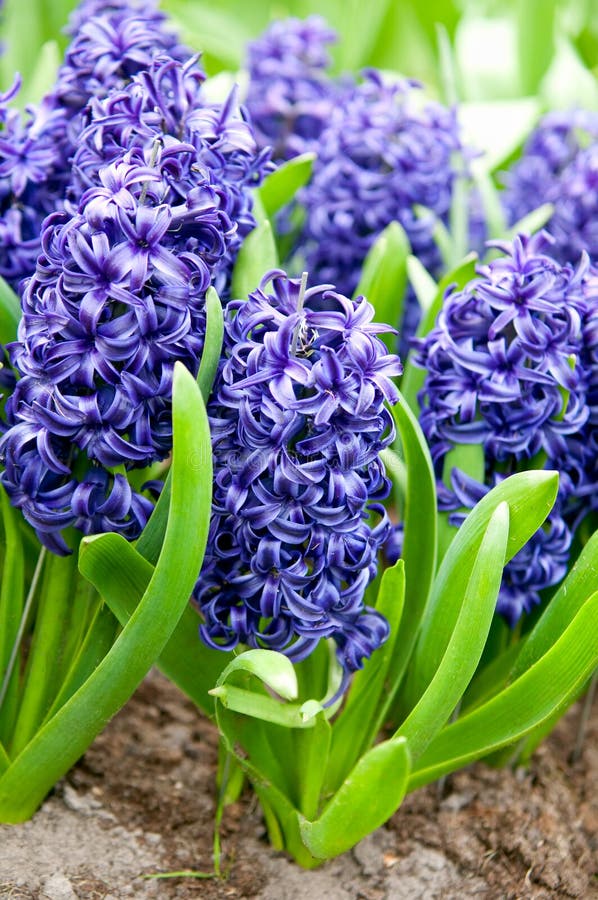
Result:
{"points": [[506, 368], [290, 96], [163, 107], [382, 155], [157, 203], [117, 297], [560, 166], [112, 42], [33, 176], [298, 421]]}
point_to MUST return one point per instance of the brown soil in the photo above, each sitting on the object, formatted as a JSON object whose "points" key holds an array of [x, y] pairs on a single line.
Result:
{"points": [[141, 801]]}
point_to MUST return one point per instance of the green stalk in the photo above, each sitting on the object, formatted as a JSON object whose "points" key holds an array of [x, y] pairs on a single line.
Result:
{"points": [[22, 624], [45, 661], [4, 760], [11, 610]]}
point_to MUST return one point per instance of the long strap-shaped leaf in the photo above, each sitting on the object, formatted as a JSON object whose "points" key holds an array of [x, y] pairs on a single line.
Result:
{"points": [[419, 545], [369, 796], [530, 496], [546, 687], [68, 734], [467, 641], [192, 667]]}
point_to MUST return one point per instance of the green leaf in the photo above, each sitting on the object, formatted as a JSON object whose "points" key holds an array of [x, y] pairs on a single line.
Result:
{"points": [[261, 706], [66, 736], [44, 659], [212, 347], [369, 796], [580, 583], [44, 74], [149, 543], [547, 686], [281, 185], [257, 256], [466, 643], [10, 312], [491, 678], [4, 760], [536, 21], [12, 597], [414, 377], [312, 748], [419, 542], [467, 458], [422, 283], [384, 277], [530, 496], [273, 668], [191, 666], [371, 691], [100, 637]]}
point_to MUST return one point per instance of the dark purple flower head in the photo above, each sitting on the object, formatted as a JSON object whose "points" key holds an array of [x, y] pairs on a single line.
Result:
{"points": [[509, 366], [382, 154], [501, 361], [163, 108], [113, 42], [290, 95], [298, 420], [118, 296], [559, 165]]}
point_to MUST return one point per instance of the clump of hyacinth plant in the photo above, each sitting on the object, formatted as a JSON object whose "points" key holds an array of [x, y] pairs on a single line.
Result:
{"points": [[332, 676], [321, 644], [148, 215]]}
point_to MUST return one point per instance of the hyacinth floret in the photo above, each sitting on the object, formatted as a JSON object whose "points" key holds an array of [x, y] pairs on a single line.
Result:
{"points": [[117, 297], [298, 420], [290, 96], [382, 154]]}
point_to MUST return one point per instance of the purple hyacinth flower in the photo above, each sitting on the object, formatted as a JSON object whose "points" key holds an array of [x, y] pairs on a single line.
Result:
{"points": [[290, 96], [381, 154], [117, 297], [499, 359], [298, 420], [508, 366], [559, 165], [112, 42]]}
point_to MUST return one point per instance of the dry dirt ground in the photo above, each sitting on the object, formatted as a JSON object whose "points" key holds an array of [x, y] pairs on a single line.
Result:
{"points": [[141, 801]]}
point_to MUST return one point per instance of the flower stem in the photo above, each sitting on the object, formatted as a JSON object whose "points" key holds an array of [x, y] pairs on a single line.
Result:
{"points": [[22, 624]]}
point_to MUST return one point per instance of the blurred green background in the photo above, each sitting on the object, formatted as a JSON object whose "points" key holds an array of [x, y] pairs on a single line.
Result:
{"points": [[507, 61]]}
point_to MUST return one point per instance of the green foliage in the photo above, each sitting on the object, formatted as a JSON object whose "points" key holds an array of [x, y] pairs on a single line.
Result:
{"points": [[46, 751]]}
